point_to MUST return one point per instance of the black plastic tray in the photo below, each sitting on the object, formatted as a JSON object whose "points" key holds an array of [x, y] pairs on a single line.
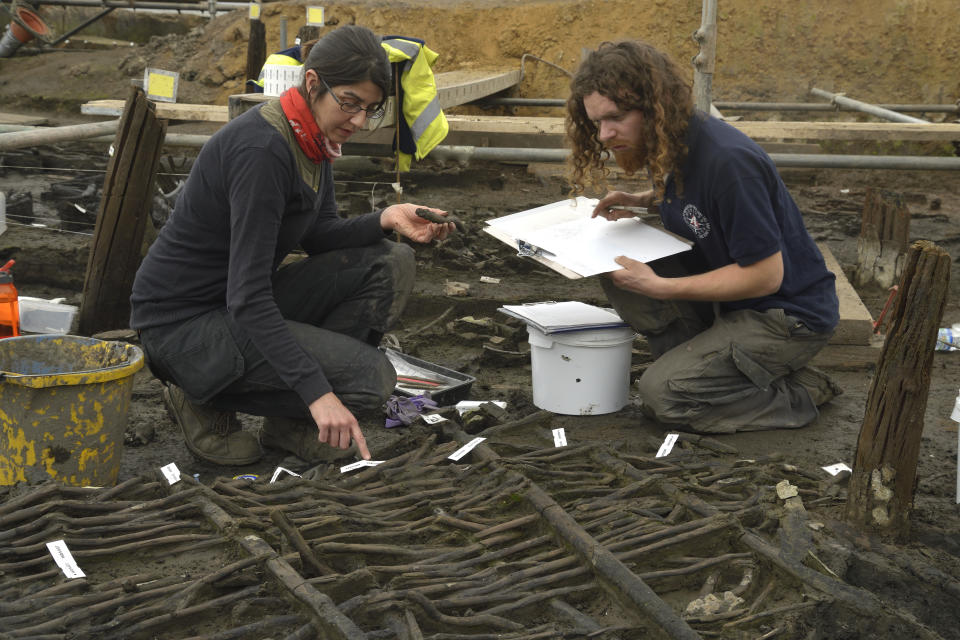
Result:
{"points": [[455, 386]]}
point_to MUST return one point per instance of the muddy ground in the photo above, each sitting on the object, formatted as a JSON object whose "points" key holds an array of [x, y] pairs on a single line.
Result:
{"points": [[876, 60], [467, 334]]}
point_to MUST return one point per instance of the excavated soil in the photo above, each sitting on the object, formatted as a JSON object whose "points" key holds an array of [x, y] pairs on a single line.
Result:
{"points": [[868, 51], [881, 52]]}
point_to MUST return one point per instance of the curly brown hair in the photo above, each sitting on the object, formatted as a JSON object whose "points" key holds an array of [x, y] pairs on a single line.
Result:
{"points": [[635, 76]]}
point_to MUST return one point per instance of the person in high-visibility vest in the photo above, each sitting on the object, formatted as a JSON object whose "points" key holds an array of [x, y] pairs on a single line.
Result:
{"points": [[422, 125], [292, 56], [230, 325]]}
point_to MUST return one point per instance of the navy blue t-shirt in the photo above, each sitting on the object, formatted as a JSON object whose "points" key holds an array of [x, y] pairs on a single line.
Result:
{"points": [[735, 208]]}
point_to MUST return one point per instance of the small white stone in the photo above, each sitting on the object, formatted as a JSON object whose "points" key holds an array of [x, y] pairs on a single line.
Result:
{"points": [[786, 490]]}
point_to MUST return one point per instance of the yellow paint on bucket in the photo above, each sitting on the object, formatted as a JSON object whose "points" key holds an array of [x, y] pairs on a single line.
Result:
{"points": [[63, 407]]}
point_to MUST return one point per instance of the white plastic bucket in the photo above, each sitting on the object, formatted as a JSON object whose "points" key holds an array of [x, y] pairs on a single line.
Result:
{"points": [[581, 372]]}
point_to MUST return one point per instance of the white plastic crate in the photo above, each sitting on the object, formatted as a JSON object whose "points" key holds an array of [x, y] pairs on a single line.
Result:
{"points": [[45, 316], [277, 78]]}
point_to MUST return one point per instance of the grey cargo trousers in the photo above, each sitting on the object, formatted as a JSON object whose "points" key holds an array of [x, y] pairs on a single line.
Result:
{"points": [[337, 305], [721, 372]]}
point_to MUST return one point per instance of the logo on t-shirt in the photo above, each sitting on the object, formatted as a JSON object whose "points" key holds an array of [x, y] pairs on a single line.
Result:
{"points": [[697, 222]]}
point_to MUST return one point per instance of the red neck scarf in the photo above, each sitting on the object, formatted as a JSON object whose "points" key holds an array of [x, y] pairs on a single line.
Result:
{"points": [[305, 128]]}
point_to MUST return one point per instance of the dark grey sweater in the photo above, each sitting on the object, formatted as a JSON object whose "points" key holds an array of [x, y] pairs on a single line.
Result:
{"points": [[251, 197]]}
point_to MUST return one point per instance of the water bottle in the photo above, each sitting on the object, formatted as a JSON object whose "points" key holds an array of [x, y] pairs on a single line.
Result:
{"points": [[9, 304], [948, 339]]}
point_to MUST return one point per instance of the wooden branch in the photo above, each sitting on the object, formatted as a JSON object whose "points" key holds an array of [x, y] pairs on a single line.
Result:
{"points": [[624, 584], [180, 600], [860, 601], [331, 622], [309, 561]]}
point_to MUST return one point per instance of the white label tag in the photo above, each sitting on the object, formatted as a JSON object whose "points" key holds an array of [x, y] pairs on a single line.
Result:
{"points": [[433, 418], [667, 445], [465, 449], [559, 438], [834, 469], [358, 464], [280, 470], [171, 473], [64, 559]]}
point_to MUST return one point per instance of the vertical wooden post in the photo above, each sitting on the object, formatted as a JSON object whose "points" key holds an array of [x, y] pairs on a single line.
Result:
{"points": [[885, 468], [256, 50], [122, 217], [884, 234]]}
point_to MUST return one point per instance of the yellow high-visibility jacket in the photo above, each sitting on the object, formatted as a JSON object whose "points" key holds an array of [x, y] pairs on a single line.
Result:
{"points": [[426, 126], [279, 58]]}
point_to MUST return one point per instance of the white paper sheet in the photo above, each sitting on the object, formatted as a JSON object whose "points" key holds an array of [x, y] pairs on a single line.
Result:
{"points": [[561, 316], [567, 234]]}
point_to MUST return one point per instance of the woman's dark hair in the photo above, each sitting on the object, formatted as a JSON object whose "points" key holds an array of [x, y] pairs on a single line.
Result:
{"points": [[348, 55], [636, 77]]}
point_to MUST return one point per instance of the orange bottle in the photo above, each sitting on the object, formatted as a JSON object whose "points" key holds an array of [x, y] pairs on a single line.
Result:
{"points": [[9, 306]]}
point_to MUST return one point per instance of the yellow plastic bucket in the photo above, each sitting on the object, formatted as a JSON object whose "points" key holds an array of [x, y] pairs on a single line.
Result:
{"points": [[63, 408]]}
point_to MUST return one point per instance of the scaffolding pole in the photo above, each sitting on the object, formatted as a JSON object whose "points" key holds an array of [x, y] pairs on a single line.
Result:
{"points": [[202, 6], [886, 114], [817, 106], [705, 61]]}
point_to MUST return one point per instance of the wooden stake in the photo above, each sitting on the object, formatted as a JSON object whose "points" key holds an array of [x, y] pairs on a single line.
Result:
{"points": [[122, 217], [256, 50], [885, 468], [884, 234]]}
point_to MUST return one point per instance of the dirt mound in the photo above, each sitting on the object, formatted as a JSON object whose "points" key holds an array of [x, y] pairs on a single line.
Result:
{"points": [[878, 52]]}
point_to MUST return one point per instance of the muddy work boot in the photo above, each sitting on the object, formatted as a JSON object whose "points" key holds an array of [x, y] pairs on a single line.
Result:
{"points": [[818, 384], [299, 436], [214, 436]]}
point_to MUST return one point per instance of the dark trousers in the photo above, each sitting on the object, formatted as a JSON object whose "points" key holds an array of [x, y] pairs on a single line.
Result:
{"points": [[720, 372], [337, 306]]}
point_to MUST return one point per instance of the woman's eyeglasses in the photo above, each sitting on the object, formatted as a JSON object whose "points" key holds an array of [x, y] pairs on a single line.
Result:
{"points": [[353, 107]]}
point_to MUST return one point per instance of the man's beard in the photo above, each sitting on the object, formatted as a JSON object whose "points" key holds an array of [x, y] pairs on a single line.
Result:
{"points": [[631, 160]]}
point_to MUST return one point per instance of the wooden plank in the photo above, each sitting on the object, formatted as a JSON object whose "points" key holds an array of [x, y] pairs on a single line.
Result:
{"points": [[549, 131], [165, 110], [856, 323], [460, 87], [453, 88], [481, 130], [850, 130], [456, 88], [848, 357], [544, 126], [553, 126]]}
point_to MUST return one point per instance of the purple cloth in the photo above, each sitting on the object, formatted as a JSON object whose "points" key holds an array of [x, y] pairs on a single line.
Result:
{"points": [[403, 411]]}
